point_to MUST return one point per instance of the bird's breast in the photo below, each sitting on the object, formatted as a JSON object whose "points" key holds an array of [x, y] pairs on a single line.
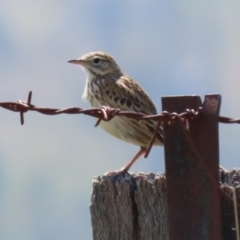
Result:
{"points": [[92, 90]]}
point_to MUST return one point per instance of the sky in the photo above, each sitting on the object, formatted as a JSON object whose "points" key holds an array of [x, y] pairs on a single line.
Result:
{"points": [[48, 164]]}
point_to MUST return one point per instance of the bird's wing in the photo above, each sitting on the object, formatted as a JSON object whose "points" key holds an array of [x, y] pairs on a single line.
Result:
{"points": [[127, 95]]}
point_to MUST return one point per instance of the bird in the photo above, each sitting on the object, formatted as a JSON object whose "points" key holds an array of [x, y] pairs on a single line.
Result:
{"points": [[106, 85]]}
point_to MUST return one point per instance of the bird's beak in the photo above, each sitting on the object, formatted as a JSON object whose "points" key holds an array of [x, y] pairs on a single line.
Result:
{"points": [[76, 61]]}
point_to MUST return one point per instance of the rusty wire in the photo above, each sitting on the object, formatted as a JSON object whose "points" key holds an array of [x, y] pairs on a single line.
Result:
{"points": [[106, 114]]}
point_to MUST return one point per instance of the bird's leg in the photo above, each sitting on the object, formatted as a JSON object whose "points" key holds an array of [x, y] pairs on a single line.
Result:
{"points": [[125, 169], [141, 152]]}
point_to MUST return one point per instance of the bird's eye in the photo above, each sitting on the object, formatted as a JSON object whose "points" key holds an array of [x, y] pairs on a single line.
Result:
{"points": [[96, 60]]}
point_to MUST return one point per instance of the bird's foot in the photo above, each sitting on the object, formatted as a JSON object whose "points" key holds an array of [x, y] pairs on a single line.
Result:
{"points": [[121, 172]]}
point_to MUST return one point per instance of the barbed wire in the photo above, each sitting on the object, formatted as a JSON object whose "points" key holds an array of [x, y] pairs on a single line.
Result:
{"points": [[103, 113], [107, 113]]}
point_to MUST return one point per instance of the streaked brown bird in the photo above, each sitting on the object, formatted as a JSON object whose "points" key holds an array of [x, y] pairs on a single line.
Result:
{"points": [[107, 85]]}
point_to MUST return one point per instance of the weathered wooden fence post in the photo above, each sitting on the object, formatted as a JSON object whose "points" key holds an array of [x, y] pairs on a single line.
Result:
{"points": [[194, 208]]}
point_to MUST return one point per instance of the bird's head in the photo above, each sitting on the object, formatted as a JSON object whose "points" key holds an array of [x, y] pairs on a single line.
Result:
{"points": [[98, 63]]}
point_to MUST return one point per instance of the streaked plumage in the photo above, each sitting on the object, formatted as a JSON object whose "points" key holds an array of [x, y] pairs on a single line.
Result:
{"points": [[106, 85]]}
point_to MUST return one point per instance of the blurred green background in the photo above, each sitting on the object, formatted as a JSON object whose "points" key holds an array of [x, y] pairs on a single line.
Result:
{"points": [[47, 165]]}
